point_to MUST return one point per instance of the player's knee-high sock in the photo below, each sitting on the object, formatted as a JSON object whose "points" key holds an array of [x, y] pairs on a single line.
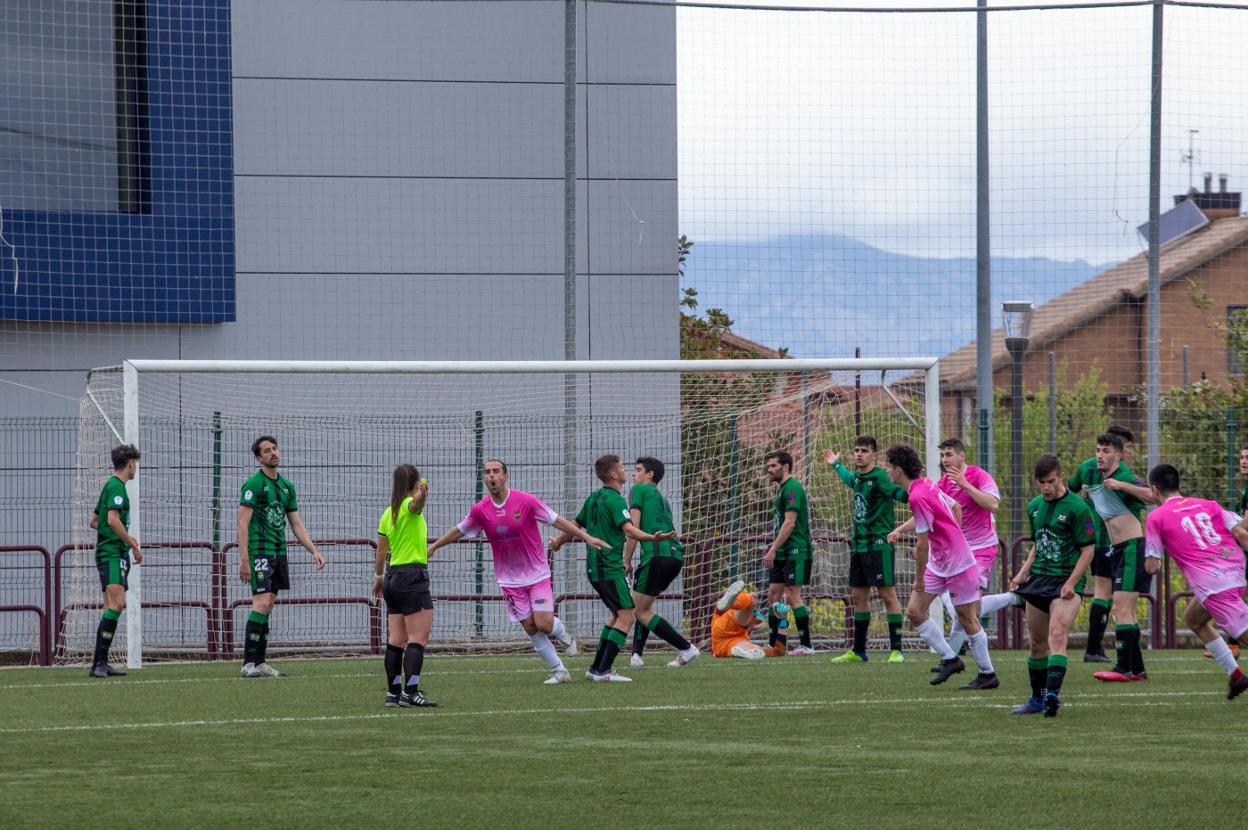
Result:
{"points": [[557, 629], [894, 631], [394, 668], [1056, 673], [1098, 620], [106, 630], [979, 650], [546, 650], [995, 602], [667, 631], [1137, 650], [1222, 654], [774, 636], [935, 638], [413, 661], [262, 653], [615, 640], [1038, 669], [251, 636], [596, 666], [957, 634], [1122, 649], [640, 633], [862, 622], [802, 615]]}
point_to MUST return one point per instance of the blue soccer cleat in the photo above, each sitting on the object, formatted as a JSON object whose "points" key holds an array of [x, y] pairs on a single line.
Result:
{"points": [[1033, 706]]}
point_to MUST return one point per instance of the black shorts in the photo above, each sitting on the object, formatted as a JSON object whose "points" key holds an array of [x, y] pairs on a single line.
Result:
{"points": [[1129, 573], [1102, 563], [656, 574], [406, 590], [1040, 591], [114, 571], [614, 593], [269, 574], [795, 572], [873, 568]]}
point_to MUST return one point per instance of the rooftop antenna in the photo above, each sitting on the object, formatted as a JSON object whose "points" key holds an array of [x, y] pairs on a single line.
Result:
{"points": [[1189, 158]]}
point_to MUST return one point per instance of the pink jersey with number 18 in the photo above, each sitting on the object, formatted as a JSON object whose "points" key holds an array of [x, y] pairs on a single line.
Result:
{"points": [[511, 529], [948, 551], [1197, 535]]}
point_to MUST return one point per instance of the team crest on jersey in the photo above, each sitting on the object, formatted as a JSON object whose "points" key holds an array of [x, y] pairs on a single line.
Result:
{"points": [[116, 499], [516, 515], [792, 497], [247, 494]]}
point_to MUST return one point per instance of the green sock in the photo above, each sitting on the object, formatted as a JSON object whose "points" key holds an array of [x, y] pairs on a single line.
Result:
{"points": [[614, 641], [1057, 673], [801, 615]]}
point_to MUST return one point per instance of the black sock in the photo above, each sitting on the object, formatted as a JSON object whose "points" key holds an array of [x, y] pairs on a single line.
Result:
{"points": [[613, 640], [773, 627], [596, 666], [413, 659], [1098, 619], [1122, 649], [894, 631], [104, 639], [802, 615], [1038, 668], [862, 622], [1137, 652], [251, 641], [665, 630], [262, 651], [394, 668], [1057, 673], [640, 633]]}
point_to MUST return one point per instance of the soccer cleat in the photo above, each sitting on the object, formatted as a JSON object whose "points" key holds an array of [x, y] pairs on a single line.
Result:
{"points": [[416, 699], [1235, 688], [570, 647], [851, 657], [684, 658], [935, 668], [1138, 676], [730, 596], [266, 670], [558, 676], [1096, 657], [392, 700], [105, 670], [609, 677], [1051, 704], [635, 661], [947, 669], [896, 657], [801, 651], [249, 670], [1033, 706], [982, 681], [1113, 676]]}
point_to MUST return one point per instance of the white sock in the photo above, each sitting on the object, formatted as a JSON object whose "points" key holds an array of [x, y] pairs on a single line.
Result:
{"points": [[957, 634], [546, 650], [557, 630], [979, 650], [995, 602], [947, 602], [935, 638], [1222, 654]]}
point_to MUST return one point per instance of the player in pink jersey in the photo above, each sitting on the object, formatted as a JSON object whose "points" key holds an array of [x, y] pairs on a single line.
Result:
{"points": [[1205, 542], [945, 563], [977, 494], [509, 519]]}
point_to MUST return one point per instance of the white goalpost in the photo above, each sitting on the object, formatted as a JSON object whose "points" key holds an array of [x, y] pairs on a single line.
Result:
{"points": [[342, 426]]}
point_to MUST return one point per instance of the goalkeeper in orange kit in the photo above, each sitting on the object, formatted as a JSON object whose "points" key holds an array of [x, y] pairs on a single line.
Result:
{"points": [[734, 618]]}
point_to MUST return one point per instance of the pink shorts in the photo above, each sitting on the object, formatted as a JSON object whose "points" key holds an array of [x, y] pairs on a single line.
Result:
{"points": [[985, 558], [963, 587], [1228, 610], [524, 600]]}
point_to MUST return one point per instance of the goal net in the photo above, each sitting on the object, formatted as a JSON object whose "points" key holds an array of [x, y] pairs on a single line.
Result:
{"points": [[343, 427]]}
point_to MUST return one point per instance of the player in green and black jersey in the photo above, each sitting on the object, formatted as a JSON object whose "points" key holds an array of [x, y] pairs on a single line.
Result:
{"points": [[268, 502], [870, 554], [789, 556], [113, 546], [660, 561], [1063, 542], [605, 515]]}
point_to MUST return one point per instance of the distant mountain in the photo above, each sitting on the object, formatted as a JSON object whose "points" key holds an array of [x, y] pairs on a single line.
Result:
{"points": [[822, 295]]}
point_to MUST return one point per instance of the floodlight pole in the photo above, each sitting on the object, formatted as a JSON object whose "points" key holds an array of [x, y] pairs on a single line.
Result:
{"points": [[1154, 244], [983, 249]]}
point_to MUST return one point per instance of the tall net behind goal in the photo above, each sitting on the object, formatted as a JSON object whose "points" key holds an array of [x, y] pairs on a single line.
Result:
{"points": [[341, 433]]}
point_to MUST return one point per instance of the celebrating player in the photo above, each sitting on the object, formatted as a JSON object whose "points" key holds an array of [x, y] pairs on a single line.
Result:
{"points": [[402, 536], [660, 561], [945, 563], [268, 502], [509, 520], [113, 545], [734, 618], [1194, 533], [789, 555], [977, 494], [606, 516], [1063, 540], [1118, 496], [871, 562]]}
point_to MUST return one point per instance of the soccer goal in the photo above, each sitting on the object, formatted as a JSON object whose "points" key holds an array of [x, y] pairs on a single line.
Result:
{"points": [[342, 426]]}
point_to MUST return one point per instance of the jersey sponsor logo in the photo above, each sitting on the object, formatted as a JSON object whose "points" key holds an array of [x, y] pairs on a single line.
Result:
{"points": [[792, 497], [516, 515], [116, 499]]}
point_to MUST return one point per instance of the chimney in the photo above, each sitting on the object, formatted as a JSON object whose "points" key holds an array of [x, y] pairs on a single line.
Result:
{"points": [[1221, 182], [1220, 205], [1208, 182]]}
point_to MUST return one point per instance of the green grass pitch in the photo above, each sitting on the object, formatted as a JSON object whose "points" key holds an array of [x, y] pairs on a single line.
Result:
{"points": [[792, 742]]}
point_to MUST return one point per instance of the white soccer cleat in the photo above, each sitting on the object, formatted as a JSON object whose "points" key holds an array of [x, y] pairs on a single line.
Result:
{"points": [[684, 658], [558, 676], [265, 670], [609, 677], [636, 662], [570, 647], [801, 651], [730, 596], [249, 670]]}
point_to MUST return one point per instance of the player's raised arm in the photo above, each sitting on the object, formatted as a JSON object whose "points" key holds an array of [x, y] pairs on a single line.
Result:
{"points": [[845, 474], [449, 538], [571, 530], [1141, 492], [417, 504]]}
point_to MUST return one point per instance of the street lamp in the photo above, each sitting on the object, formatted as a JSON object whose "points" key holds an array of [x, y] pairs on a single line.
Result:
{"points": [[1017, 323]]}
